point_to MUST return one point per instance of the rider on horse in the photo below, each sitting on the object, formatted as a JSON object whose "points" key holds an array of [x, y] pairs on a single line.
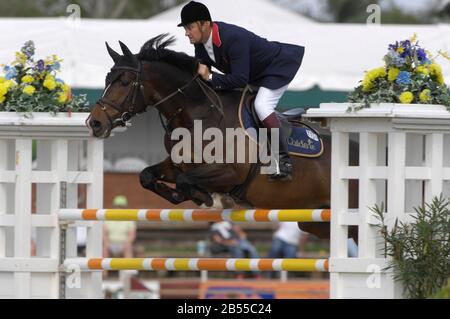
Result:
{"points": [[244, 58]]}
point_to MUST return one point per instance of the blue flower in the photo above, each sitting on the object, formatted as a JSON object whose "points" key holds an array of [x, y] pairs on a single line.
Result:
{"points": [[11, 72], [28, 49], [393, 47], [40, 65], [404, 78], [421, 54], [56, 66], [394, 59]]}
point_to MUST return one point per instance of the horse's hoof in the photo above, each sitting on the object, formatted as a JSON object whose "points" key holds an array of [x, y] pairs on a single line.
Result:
{"points": [[222, 201]]}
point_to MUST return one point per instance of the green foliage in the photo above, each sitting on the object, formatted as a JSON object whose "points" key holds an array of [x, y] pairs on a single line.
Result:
{"points": [[31, 86], [351, 11], [109, 9], [443, 293], [419, 251], [348, 11]]}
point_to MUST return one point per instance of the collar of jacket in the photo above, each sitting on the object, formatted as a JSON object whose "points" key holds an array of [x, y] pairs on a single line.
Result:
{"points": [[216, 35]]}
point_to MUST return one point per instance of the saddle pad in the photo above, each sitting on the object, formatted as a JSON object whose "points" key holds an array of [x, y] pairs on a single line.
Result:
{"points": [[303, 141]]}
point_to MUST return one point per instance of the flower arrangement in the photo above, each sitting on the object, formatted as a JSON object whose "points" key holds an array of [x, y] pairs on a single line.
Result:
{"points": [[410, 75], [28, 85]]}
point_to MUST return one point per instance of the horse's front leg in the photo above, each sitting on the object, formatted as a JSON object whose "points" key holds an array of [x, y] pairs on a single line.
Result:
{"points": [[165, 171]]}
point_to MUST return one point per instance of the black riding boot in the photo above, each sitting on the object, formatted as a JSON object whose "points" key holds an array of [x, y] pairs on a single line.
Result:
{"points": [[285, 167]]}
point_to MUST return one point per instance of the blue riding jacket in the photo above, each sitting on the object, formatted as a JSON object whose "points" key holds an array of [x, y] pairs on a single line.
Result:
{"points": [[246, 58]]}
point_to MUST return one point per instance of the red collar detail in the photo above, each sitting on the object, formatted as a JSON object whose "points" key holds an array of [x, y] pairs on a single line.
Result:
{"points": [[216, 36]]}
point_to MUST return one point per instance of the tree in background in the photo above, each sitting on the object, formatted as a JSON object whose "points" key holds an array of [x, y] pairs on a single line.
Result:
{"points": [[110, 9], [348, 11], [340, 11], [354, 11]]}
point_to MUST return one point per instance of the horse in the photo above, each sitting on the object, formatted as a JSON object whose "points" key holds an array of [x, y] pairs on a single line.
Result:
{"points": [[167, 80]]}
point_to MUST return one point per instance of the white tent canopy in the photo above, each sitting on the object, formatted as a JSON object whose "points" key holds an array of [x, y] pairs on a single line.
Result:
{"points": [[335, 59], [246, 13]]}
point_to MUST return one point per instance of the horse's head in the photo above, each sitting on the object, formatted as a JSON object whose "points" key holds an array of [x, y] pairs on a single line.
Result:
{"points": [[123, 96], [156, 76]]}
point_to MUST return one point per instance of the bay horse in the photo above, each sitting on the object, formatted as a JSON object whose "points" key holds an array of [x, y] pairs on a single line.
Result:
{"points": [[167, 80]]}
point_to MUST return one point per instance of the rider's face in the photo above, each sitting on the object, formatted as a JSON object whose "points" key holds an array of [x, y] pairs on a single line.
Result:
{"points": [[197, 32]]}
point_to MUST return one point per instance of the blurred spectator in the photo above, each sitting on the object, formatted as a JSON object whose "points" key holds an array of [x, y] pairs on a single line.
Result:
{"points": [[288, 241], [229, 238], [119, 236]]}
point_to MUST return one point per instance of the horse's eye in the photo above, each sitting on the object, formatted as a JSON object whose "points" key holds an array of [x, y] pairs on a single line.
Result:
{"points": [[124, 82]]}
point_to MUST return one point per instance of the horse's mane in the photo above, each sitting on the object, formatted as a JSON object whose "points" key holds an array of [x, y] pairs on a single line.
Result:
{"points": [[155, 49]]}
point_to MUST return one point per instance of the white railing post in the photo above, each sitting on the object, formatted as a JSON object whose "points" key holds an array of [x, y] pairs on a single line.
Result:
{"points": [[58, 161], [416, 144]]}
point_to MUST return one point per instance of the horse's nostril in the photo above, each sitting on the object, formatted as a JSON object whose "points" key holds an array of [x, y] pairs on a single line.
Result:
{"points": [[95, 124]]}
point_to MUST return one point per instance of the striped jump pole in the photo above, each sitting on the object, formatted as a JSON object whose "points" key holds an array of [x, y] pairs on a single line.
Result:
{"points": [[194, 264], [198, 215]]}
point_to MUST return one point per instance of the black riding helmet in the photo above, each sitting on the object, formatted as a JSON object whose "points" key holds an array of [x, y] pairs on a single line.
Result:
{"points": [[194, 11]]}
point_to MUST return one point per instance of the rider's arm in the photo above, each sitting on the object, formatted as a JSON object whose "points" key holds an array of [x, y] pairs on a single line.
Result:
{"points": [[239, 59]]}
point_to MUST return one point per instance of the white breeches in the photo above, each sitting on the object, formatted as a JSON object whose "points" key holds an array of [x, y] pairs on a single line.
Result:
{"points": [[267, 100]]}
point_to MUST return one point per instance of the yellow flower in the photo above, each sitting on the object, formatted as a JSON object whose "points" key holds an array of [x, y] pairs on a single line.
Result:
{"points": [[371, 76], [400, 50], [55, 58], [65, 87], [425, 95], [413, 38], [27, 79], [20, 58], [29, 90], [3, 88], [436, 70], [9, 84], [444, 54], [2, 99], [422, 69], [406, 97], [367, 84], [2, 79], [62, 98], [50, 83], [392, 74]]}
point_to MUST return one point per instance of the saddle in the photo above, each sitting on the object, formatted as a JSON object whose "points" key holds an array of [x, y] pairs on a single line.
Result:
{"points": [[303, 140]]}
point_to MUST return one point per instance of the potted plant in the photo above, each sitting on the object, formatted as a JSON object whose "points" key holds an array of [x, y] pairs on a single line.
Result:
{"points": [[29, 86], [410, 75]]}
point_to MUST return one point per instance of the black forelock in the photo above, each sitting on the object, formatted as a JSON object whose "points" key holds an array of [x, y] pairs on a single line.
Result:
{"points": [[155, 49]]}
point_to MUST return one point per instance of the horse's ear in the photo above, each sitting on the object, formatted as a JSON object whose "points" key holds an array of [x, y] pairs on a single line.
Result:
{"points": [[127, 52], [113, 54]]}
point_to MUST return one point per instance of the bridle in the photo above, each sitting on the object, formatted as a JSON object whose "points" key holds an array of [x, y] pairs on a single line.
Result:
{"points": [[138, 88]]}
